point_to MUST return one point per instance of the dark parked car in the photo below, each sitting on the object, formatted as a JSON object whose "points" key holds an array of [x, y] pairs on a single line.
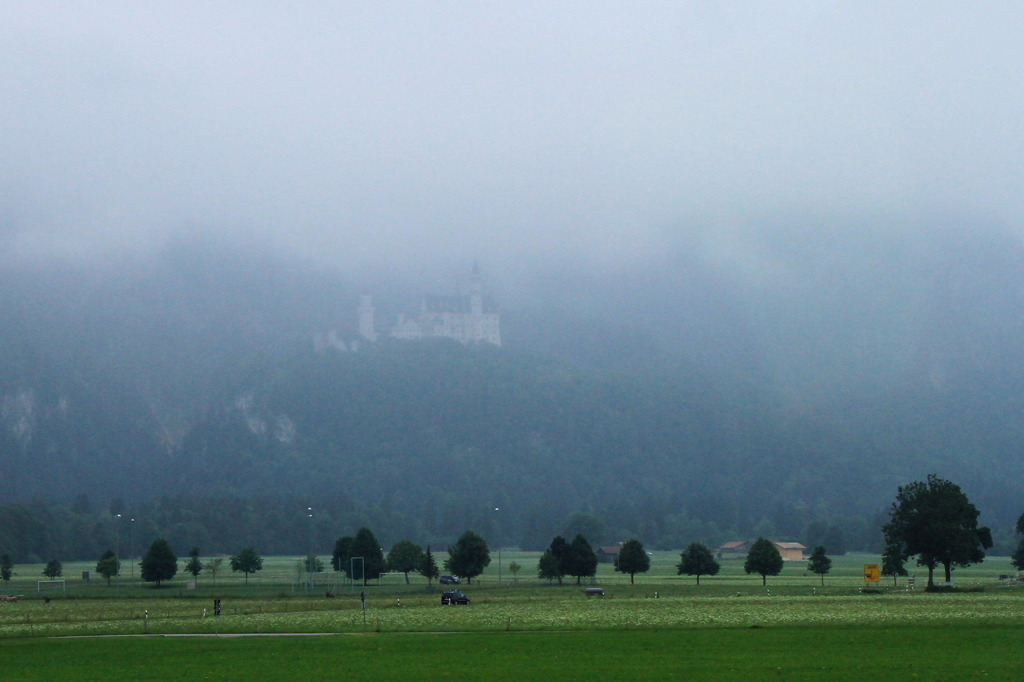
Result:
{"points": [[450, 580], [454, 597]]}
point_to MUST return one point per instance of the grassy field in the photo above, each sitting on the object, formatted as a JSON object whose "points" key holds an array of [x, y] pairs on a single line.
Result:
{"points": [[840, 653], [665, 625]]}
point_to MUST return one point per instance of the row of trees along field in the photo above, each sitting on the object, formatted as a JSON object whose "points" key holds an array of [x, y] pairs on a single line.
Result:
{"points": [[159, 564], [932, 520], [33, 531], [361, 558]]}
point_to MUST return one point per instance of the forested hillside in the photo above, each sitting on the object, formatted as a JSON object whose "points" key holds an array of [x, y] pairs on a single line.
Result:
{"points": [[192, 392]]}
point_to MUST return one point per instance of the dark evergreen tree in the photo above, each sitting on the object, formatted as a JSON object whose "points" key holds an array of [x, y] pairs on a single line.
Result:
{"points": [[581, 560], [341, 559], [559, 551], [935, 521], [6, 568], [109, 565], [633, 559], [1017, 558], [763, 559], [194, 565], [405, 556], [159, 563], [247, 561], [428, 566], [53, 569], [697, 560], [819, 563], [365, 545], [468, 557]]}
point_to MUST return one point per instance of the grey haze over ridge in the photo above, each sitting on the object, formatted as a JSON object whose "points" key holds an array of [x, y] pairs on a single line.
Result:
{"points": [[378, 136]]}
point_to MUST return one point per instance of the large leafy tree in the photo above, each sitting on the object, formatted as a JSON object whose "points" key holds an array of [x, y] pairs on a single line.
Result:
{"points": [[53, 569], [159, 563], [247, 561], [365, 545], [581, 560], [549, 567], [468, 557], [697, 560], [763, 559], [194, 566], [428, 566], [553, 562], [633, 559], [893, 560], [109, 565], [819, 563], [213, 566], [6, 568], [405, 556], [935, 521]]}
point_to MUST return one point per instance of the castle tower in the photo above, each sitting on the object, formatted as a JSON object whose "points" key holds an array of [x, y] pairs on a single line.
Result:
{"points": [[366, 318], [476, 292]]}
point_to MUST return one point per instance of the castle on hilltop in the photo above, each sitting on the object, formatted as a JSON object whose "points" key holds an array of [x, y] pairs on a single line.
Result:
{"points": [[469, 318]]}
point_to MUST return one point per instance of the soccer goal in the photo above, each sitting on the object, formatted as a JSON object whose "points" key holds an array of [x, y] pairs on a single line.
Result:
{"points": [[49, 585]]}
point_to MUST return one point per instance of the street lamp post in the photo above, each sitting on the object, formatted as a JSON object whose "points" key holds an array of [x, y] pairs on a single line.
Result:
{"points": [[310, 563], [498, 509], [117, 548], [131, 546]]}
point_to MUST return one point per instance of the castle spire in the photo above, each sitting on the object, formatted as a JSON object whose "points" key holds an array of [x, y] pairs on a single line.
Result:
{"points": [[476, 292], [476, 287], [367, 328]]}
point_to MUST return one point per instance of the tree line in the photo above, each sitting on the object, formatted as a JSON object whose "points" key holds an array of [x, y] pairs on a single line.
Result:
{"points": [[932, 520], [33, 531]]}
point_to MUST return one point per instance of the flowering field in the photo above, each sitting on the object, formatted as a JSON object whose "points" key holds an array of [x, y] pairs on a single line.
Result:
{"points": [[277, 602], [560, 611]]}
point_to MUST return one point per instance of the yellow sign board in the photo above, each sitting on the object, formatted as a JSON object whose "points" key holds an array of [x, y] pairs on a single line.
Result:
{"points": [[872, 573]]}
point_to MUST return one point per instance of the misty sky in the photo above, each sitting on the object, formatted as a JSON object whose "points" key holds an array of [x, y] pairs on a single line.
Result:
{"points": [[376, 134]]}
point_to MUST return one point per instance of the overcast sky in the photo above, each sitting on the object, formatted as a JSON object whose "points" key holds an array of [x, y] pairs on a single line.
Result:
{"points": [[374, 134]]}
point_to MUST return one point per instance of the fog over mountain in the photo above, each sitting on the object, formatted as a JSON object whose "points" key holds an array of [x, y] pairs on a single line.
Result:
{"points": [[755, 250], [369, 135]]}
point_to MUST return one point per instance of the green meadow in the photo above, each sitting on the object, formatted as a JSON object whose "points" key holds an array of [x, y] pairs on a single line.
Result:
{"points": [[520, 627]]}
